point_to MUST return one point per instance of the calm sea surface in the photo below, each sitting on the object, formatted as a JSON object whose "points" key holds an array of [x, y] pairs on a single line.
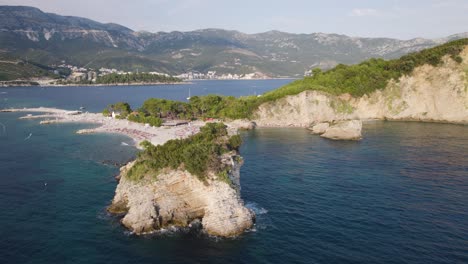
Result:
{"points": [[398, 196]]}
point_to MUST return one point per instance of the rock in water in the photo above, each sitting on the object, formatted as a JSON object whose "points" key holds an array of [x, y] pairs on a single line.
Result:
{"points": [[242, 124], [320, 128], [344, 130], [177, 198]]}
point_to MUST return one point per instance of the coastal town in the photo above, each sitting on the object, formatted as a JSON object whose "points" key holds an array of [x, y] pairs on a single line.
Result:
{"points": [[79, 74]]}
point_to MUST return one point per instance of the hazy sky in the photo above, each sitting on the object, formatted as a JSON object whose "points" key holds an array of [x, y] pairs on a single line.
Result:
{"points": [[389, 18]]}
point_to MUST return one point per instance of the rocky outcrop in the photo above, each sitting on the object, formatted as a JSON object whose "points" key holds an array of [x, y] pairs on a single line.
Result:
{"points": [[178, 198], [431, 94], [320, 128], [344, 130], [242, 124]]}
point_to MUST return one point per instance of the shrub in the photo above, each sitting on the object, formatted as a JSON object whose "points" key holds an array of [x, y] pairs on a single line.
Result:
{"points": [[235, 142], [106, 112], [198, 154], [122, 109], [140, 118]]}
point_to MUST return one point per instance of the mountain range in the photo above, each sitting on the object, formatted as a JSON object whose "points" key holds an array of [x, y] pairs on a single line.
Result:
{"points": [[28, 34]]}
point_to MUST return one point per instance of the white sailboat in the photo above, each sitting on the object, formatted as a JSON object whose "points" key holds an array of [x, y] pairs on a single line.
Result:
{"points": [[189, 96]]}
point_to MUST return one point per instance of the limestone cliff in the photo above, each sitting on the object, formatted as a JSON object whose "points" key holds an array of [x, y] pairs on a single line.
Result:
{"points": [[177, 198], [432, 94]]}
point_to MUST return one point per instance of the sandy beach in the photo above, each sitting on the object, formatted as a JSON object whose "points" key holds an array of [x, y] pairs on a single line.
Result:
{"points": [[138, 132]]}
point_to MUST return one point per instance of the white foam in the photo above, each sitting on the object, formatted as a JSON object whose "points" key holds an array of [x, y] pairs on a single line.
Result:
{"points": [[257, 209]]}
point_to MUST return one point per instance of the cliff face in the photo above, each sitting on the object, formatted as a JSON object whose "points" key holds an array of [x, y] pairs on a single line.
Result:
{"points": [[433, 94], [177, 198]]}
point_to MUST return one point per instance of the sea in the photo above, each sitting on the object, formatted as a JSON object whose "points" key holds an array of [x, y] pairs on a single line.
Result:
{"points": [[398, 196]]}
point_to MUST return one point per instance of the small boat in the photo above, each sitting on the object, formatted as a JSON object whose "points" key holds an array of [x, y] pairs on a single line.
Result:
{"points": [[82, 108], [188, 98]]}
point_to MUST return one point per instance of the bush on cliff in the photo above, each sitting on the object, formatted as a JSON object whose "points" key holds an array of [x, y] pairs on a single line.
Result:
{"points": [[369, 75], [198, 154]]}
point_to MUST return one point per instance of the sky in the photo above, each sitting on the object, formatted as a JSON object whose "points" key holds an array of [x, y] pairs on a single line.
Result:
{"points": [[365, 18]]}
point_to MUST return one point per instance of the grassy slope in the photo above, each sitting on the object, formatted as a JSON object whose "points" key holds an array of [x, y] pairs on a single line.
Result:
{"points": [[13, 70], [370, 75]]}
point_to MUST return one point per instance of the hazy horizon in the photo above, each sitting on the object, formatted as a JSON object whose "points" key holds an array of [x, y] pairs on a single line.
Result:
{"points": [[364, 18]]}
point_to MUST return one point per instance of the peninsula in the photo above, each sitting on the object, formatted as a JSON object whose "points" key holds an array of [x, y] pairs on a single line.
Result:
{"points": [[187, 175]]}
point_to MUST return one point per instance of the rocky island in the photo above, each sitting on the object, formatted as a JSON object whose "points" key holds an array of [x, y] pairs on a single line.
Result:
{"points": [[184, 182]]}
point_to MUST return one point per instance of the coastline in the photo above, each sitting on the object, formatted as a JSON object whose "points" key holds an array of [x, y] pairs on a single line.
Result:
{"points": [[42, 83], [214, 203], [39, 84], [137, 131]]}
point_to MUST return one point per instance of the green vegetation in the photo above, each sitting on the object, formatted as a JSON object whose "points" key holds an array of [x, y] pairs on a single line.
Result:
{"points": [[370, 75], [121, 109], [342, 107], [17, 69], [140, 118], [357, 80], [198, 154], [115, 78], [154, 110], [203, 107]]}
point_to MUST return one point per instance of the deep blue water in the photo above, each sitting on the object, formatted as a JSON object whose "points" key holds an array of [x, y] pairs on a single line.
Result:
{"points": [[398, 196]]}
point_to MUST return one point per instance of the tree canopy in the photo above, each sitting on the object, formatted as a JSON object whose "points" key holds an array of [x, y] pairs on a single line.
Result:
{"points": [[115, 78]]}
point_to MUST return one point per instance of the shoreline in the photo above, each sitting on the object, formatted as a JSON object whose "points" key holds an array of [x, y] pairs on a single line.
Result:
{"points": [[2, 85], [40, 83], [136, 131]]}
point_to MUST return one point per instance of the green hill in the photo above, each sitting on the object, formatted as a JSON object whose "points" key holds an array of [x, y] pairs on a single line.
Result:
{"points": [[369, 75], [17, 69]]}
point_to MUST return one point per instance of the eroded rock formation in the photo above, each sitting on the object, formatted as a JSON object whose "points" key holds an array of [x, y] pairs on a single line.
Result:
{"points": [[344, 130], [178, 198]]}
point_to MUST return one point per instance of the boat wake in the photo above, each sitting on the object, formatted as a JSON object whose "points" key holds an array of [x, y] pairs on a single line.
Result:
{"points": [[28, 137]]}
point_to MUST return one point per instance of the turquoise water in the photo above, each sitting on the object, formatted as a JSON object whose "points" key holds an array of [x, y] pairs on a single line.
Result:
{"points": [[398, 196]]}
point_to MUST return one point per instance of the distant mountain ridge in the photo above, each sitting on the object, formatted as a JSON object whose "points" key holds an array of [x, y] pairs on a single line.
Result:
{"points": [[28, 33]]}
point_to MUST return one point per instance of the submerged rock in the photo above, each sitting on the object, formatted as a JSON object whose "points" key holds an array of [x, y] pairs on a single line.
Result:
{"points": [[344, 130]]}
